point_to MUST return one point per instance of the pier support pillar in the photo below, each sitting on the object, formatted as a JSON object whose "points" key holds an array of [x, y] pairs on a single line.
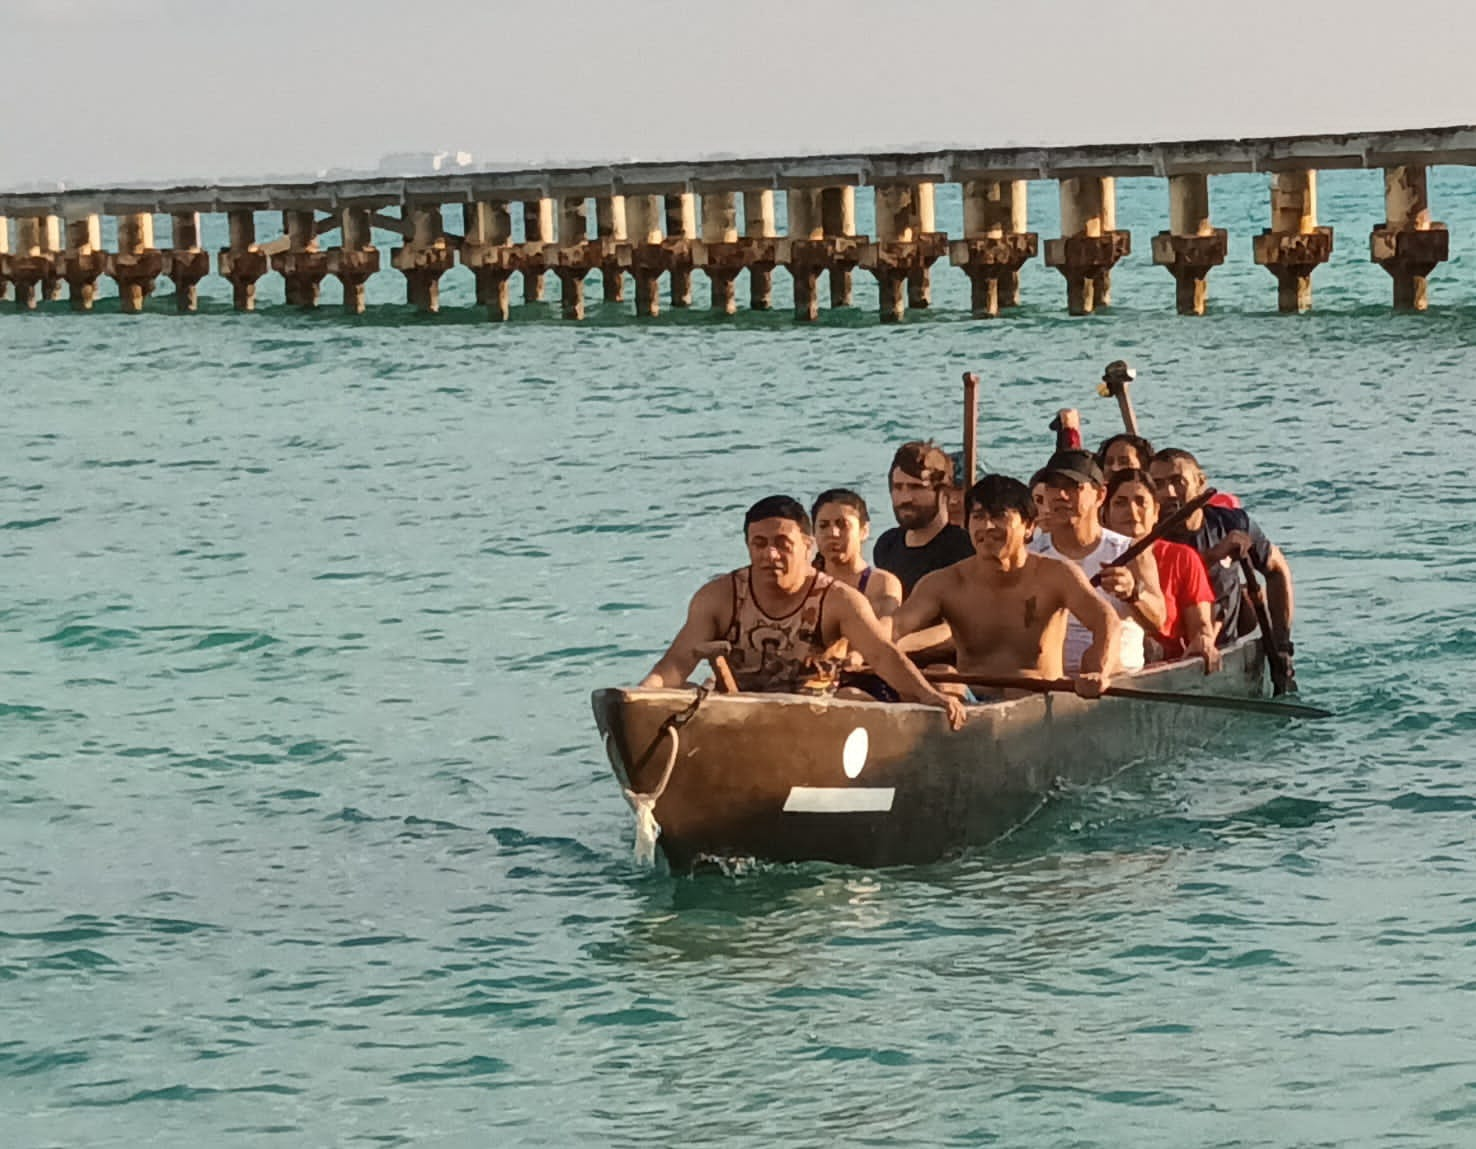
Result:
{"points": [[681, 231], [718, 254], [4, 259], [647, 252], [905, 246], [51, 238], [759, 237], [538, 232], [1407, 245], [425, 257], [1192, 245], [1090, 244], [83, 259], [920, 279], [355, 259], [610, 231], [137, 263], [32, 267], [243, 262], [804, 250], [1294, 246], [838, 222], [488, 253], [302, 265], [996, 243], [185, 263], [576, 255]]}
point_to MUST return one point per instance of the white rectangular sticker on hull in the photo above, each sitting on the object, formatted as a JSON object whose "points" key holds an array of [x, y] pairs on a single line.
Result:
{"points": [[839, 800]]}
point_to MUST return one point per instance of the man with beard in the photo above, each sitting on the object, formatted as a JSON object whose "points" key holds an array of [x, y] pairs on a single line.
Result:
{"points": [[1219, 533], [1007, 606], [781, 618], [923, 539]]}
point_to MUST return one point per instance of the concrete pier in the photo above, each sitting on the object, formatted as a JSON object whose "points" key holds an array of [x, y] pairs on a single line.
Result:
{"points": [[185, 263], [644, 254], [425, 256], [838, 222], [576, 254], [32, 266], [487, 250], [4, 258], [996, 243], [355, 258], [804, 250], [1090, 244], [303, 265], [1408, 245], [83, 260], [905, 247], [681, 231], [137, 263], [1192, 245], [243, 262], [1294, 246]]}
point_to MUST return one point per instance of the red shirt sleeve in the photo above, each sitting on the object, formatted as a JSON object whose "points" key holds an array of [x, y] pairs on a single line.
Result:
{"points": [[1225, 499]]}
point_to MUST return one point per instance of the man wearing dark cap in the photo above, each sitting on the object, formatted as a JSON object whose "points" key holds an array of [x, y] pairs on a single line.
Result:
{"points": [[923, 540], [1074, 489]]}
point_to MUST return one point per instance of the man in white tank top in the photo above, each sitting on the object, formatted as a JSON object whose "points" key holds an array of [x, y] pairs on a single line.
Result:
{"points": [[1075, 489]]}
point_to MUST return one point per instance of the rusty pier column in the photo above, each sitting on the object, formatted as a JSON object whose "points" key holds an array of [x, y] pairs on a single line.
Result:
{"points": [[905, 246], [137, 263], [51, 284], [302, 265], [681, 231], [243, 262], [1090, 244], [760, 244], [838, 224], [185, 263], [718, 253], [487, 251], [920, 277], [1408, 246], [643, 253], [1294, 246], [610, 232], [83, 259], [424, 257], [1192, 245], [803, 250], [4, 259], [996, 243], [538, 236], [32, 265], [576, 255], [355, 258]]}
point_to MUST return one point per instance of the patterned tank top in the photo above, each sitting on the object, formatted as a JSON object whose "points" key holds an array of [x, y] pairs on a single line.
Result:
{"points": [[786, 654]]}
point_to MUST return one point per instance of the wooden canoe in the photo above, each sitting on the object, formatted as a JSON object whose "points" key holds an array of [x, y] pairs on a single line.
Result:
{"points": [[788, 778]]}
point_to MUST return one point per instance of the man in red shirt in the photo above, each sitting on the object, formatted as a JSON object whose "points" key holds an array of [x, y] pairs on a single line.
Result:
{"points": [[1188, 628]]}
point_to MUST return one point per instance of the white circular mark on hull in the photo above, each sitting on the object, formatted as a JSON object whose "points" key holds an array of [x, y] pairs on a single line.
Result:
{"points": [[853, 754]]}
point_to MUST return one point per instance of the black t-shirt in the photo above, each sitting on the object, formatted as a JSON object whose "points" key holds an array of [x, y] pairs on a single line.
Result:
{"points": [[1226, 577], [891, 553]]}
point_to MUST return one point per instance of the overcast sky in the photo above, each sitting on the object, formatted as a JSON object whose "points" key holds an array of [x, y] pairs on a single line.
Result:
{"points": [[105, 90]]}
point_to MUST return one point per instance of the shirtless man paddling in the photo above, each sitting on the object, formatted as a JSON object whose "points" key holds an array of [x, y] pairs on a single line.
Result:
{"points": [[1008, 607], [781, 616]]}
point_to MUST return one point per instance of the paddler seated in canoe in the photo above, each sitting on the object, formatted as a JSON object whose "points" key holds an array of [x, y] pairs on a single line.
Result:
{"points": [[1188, 628], [1007, 606], [842, 525], [1075, 491], [923, 539], [1215, 532], [783, 619]]}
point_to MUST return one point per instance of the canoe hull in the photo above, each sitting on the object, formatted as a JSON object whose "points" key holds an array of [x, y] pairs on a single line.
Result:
{"points": [[786, 778]]}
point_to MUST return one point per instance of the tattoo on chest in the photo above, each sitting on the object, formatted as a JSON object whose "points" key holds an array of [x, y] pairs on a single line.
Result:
{"points": [[1030, 611]]}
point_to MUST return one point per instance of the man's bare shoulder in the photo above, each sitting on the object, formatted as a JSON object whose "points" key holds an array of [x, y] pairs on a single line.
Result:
{"points": [[941, 583]]}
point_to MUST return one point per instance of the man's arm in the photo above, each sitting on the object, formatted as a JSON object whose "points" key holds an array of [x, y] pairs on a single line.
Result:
{"points": [[703, 625], [919, 610], [1200, 632], [1102, 658], [854, 621]]}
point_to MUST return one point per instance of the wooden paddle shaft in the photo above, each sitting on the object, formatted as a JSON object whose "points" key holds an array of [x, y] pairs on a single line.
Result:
{"points": [[1180, 698], [1125, 405], [1158, 531], [971, 428]]}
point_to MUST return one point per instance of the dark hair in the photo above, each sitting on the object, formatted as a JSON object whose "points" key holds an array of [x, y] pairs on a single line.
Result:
{"points": [[996, 494], [923, 460], [1141, 447], [777, 507], [846, 498], [1176, 455], [1130, 475]]}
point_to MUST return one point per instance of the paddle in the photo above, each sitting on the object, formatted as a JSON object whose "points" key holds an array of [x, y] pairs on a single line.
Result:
{"points": [[971, 428], [1178, 698], [716, 654], [1115, 380], [1164, 524], [1281, 681]]}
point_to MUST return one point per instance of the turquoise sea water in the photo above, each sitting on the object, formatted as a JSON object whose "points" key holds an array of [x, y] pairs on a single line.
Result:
{"points": [[306, 837]]}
